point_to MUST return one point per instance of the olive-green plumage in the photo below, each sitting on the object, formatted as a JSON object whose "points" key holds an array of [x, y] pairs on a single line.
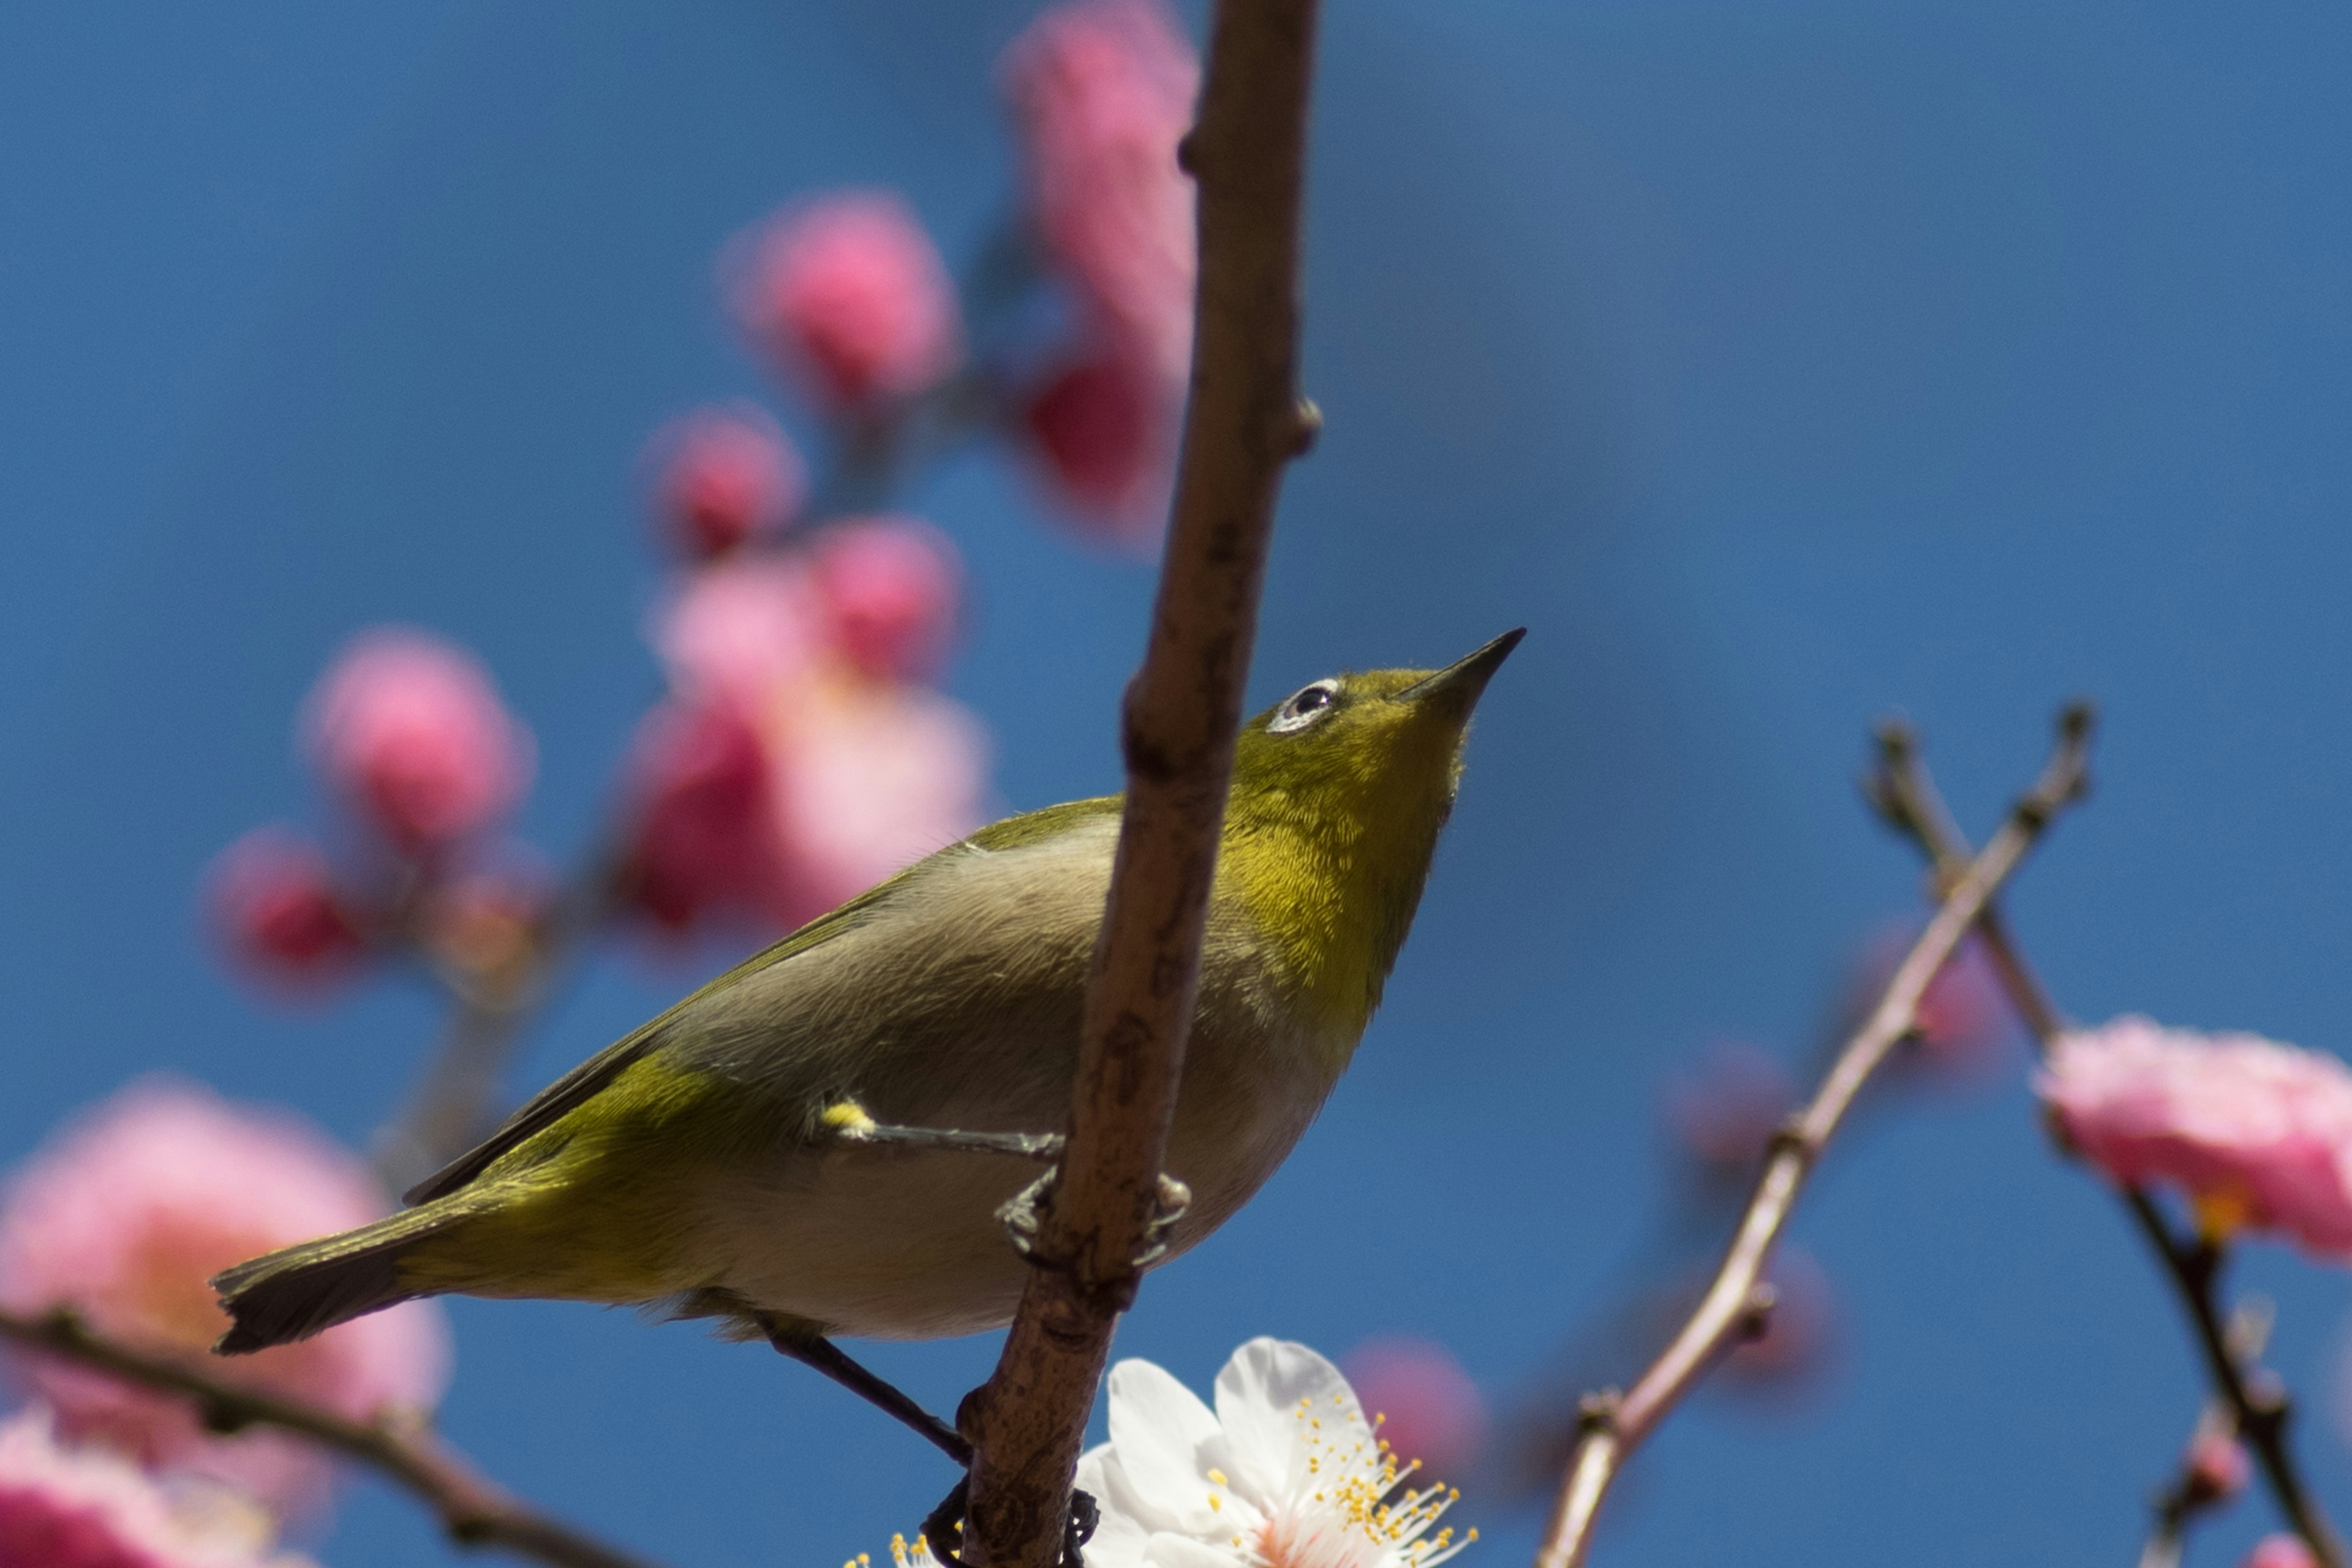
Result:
{"points": [[690, 1166]]}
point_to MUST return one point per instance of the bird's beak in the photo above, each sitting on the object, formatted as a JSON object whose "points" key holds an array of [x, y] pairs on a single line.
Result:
{"points": [[1458, 686]]}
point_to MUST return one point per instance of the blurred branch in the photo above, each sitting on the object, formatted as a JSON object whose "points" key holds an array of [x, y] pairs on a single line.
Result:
{"points": [[1245, 421], [1738, 1301], [1906, 797], [2195, 1488], [473, 1510]]}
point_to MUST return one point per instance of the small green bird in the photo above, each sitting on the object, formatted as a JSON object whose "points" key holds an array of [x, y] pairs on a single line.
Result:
{"points": [[710, 1163]]}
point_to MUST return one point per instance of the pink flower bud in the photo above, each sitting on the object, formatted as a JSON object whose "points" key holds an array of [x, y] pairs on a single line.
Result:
{"points": [[1101, 92], [2256, 1133], [410, 732], [276, 909], [889, 586], [2281, 1551], [1426, 1406], [702, 841], [63, 1507], [1105, 429], [1794, 1352], [1727, 1109], [738, 630], [725, 475], [849, 293], [126, 1214], [2217, 1465]]}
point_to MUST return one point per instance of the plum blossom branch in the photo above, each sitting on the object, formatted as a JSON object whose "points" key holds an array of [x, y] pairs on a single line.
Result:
{"points": [[473, 1510], [1906, 797], [1245, 421], [2213, 1467], [1738, 1302]]}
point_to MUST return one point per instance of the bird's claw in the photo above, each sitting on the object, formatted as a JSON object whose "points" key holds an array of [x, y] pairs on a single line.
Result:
{"points": [[1076, 1530], [1169, 1205], [1024, 1215]]}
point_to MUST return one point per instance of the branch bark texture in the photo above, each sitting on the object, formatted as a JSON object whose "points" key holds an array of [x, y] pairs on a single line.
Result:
{"points": [[1244, 422], [1738, 1300], [473, 1510], [2258, 1405]]}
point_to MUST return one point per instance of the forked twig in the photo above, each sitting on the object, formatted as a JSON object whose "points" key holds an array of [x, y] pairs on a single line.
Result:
{"points": [[1906, 797], [1736, 1299]]}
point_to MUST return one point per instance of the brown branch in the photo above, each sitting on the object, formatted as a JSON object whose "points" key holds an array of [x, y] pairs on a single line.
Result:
{"points": [[1907, 795], [1737, 1301], [473, 1510], [1245, 420]]}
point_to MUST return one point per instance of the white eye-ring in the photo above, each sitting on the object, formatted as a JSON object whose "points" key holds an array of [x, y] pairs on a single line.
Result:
{"points": [[1303, 707]]}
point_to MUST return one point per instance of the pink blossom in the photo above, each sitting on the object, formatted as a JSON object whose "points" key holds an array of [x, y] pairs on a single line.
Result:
{"points": [[1105, 428], [1795, 1350], [848, 292], [2281, 1551], [1101, 92], [275, 907], [2255, 1132], [1725, 1110], [725, 475], [867, 780], [1965, 1017], [702, 840], [64, 1507], [889, 587], [1426, 1404], [126, 1214], [737, 630], [409, 729], [2217, 1465]]}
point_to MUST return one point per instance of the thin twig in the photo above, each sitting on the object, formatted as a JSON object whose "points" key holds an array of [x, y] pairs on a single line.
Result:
{"points": [[1738, 1300], [2193, 1488], [1907, 795], [1245, 420], [473, 1510]]}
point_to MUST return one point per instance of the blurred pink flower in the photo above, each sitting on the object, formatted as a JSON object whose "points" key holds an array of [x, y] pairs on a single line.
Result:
{"points": [[126, 1214], [701, 840], [1106, 431], [1795, 1350], [739, 629], [724, 475], [2217, 1465], [1965, 1018], [273, 905], [889, 586], [2281, 1551], [1424, 1405], [848, 292], [866, 780], [410, 731], [1725, 1109], [2255, 1132], [1101, 92], [64, 1507]]}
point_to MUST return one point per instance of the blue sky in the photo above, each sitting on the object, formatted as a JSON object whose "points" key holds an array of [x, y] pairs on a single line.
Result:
{"points": [[1780, 366]]}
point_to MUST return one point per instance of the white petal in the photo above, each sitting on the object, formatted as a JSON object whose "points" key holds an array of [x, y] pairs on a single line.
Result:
{"points": [[1158, 1431], [1118, 1539], [1258, 1396], [1183, 1551]]}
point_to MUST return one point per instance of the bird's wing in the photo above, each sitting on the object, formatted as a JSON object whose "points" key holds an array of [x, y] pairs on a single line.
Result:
{"points": [[552, 1103]]}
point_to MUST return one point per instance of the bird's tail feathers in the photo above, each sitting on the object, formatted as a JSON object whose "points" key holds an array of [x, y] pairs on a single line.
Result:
{"points": [[298, 1292]]}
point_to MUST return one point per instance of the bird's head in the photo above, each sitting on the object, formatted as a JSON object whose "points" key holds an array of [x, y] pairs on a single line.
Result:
{"points": [[1339, 792]]}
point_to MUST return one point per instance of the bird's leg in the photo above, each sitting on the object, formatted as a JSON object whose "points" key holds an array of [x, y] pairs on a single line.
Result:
{"points": [[811, 1349]]}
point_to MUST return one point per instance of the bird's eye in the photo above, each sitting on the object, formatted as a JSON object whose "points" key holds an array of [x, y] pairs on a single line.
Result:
{"points": [[1303, 707]]}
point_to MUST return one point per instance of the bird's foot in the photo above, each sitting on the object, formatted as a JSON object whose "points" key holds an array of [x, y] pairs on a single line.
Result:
{"points": [[1023, 1216], [945, 1523]]}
